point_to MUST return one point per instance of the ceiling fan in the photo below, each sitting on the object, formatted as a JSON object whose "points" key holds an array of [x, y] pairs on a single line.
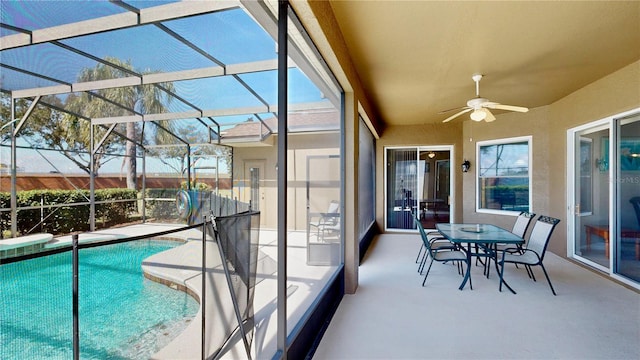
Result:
{"points": [[479, 106]]}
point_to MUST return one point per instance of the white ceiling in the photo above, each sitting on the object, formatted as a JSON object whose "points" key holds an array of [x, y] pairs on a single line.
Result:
{"points": [[416, 58]]}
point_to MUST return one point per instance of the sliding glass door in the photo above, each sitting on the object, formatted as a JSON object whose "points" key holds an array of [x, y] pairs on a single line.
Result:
{"points": [[402, 186], [591, 195], [604, 204], [418, 181], [626, 247]]}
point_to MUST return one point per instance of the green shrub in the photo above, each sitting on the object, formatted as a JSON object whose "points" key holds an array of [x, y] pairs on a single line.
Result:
{"points": [[66, 219], [161, 203], [114, 211], [198, 186]]}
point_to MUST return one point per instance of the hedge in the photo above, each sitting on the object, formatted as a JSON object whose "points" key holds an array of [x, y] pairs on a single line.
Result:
{"points": [[66, 219], [507, 196]]}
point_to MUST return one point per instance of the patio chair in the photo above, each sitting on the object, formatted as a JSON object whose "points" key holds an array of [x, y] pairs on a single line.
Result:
{"points": [[437, 242], [520, 229], [440, 254], [533, 253], [434, 237], [327, 222]]}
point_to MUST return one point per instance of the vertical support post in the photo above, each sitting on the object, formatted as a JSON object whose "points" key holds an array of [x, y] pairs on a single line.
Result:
{"points": [[92, 180], [76, 322], [14, 186], [217, 175], [41, 213], [144, 185], [203, 296], [188, 167], [15, 130], [283, 52]]}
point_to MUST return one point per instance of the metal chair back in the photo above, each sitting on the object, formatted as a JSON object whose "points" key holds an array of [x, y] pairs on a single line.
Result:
{"points": [[522, 223], [541, 234]]}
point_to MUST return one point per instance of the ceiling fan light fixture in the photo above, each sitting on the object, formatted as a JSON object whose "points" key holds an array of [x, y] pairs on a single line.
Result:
{"points": [[431, 155], [479, 106], [478, 115]]}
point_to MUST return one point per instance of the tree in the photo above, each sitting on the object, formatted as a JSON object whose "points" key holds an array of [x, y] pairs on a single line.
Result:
{"points": [[119, 102], [48, 128], [175, 157], [40, 113]]}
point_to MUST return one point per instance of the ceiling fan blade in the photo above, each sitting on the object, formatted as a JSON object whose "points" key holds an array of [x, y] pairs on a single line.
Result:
{"points": [[456, 108], [506, 107], [456, 115], [490, 116]]}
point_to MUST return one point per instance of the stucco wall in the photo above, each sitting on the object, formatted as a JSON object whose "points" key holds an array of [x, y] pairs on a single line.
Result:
{"points": [[418, 135], [548, 125], [535, 123], [300, 147], [617, 92]]}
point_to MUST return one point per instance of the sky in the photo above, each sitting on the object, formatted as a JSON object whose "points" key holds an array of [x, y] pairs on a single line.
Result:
{"points": [[230, 36]]}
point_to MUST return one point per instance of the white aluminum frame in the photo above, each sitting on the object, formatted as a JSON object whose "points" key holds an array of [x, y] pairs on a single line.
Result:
{"points": [[610, 123], [503, 141], [452, 179]]}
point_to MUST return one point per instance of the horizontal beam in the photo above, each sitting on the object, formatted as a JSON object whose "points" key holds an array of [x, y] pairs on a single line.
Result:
{"points": [[193, 74], [80, 28], [14, 41], [183, 9], [106, 84], [239, 111], [41, 91], [183, 75], [118, 119], [212, 113], [173, 116], [114, 22]]}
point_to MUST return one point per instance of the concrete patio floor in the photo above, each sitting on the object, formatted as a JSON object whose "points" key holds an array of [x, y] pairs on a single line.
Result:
{"points": [[391, 316]]}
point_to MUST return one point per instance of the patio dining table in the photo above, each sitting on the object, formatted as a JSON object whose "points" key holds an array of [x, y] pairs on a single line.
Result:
{"points": [[486, 235]]}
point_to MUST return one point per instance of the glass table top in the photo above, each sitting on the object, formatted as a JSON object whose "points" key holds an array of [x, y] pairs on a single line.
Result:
{"points": [[478, 233]]}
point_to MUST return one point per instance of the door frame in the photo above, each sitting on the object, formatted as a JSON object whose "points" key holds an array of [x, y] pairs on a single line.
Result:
{"points": [[572, 177], [610, 123]]}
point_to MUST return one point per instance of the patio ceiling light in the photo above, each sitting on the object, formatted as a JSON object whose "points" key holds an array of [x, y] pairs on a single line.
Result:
{"points": [[478, 115]]}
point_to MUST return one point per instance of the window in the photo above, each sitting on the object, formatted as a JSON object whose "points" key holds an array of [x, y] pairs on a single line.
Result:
{"points": [[504, 175]]}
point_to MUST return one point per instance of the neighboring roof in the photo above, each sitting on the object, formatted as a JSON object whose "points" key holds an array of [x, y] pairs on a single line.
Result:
{"points": [[303, 121]]}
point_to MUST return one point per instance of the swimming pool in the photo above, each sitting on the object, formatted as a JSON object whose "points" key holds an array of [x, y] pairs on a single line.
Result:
{"points": [[122, 315]]}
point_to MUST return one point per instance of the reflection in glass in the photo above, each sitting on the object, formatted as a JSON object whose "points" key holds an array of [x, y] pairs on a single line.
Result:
{"points": [[503, 175], [402, 186], [627, 244], [591, 198]]}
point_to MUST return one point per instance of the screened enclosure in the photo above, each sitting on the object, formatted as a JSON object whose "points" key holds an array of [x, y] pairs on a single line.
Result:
{"points": [[130, 113]]}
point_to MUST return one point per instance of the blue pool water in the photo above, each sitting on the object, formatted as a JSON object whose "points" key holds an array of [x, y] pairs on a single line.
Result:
{"points": [[122, 314]]}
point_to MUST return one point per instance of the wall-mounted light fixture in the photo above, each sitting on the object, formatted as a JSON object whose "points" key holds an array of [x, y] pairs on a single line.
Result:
{"points": [[466, 165]]}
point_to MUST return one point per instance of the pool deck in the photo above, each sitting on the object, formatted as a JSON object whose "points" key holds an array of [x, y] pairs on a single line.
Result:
{"points": [[23, 245], [127, 231]]}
